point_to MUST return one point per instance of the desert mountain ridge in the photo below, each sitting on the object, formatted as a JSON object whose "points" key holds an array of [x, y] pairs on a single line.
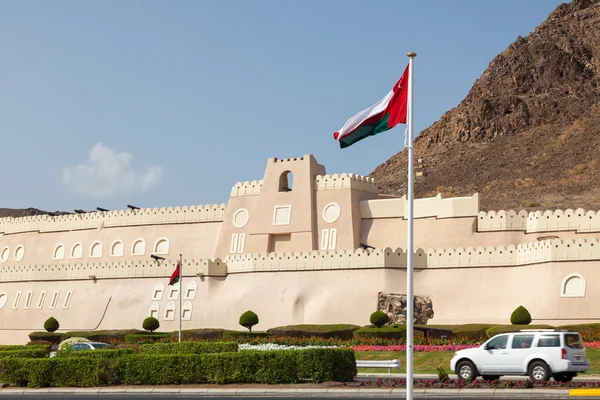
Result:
{"points": [[527, 135]]}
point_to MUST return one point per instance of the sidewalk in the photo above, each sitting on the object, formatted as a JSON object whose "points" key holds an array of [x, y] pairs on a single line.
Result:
{"points": [[310, 389]]}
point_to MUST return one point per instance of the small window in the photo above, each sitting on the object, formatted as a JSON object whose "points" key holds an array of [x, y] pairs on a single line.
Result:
{"points": [[138, 248], [96, 250], [170, 311], [158, 291], [186, 311], [116, 250], [28, 300], [41, 300], [59, 252], [497, 343], [77, 250], [549, 341], [54, 300], [573, 286], [68, 299], [17, 300], [573, 340], [234, 243], [174, 292], [161, 246], [522, 341], [190, 292], [155, 310], [286, 181]]}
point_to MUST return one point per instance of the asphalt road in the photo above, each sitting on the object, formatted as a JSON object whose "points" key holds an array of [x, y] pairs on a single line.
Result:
{"points": [[315, 396]]}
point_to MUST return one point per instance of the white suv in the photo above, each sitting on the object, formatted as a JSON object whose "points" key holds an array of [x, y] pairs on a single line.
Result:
{"points": [[539, 353]]}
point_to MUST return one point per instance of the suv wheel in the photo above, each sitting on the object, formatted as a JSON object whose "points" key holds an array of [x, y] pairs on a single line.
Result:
{"points": [[466, 370], [538, 371]]}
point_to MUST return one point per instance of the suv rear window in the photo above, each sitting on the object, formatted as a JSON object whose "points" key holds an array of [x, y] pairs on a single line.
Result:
{"points": [[573, 340], [549, 341]]}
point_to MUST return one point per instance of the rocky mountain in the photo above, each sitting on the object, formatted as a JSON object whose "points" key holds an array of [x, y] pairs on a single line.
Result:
{"points": [[527, 135]]}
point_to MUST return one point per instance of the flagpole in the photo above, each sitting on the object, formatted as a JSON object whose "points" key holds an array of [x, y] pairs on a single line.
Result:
{"points": [[180, 293], [409, 239]]}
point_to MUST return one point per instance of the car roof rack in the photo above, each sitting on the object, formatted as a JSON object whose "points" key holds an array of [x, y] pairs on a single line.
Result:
{"points": [[544, 330]]}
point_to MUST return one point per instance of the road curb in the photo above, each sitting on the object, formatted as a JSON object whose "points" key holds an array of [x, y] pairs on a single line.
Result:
{"points": [[273, 391]]}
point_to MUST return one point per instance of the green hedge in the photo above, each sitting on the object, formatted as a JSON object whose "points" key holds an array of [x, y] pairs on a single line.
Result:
{"points": [[342, 331], [146, 337], [471, 331], [200, 334], [99, 353], [189, 347], [385, 332], [52, 337], [9, 347], [252, 366], [582, 328], [26, 353], [104, 336], [244, 335], [494, 330]]}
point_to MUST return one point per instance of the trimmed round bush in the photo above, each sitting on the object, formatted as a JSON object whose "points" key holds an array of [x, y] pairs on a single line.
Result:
{"points": [[520, 316], [65, 344], [248, 319], [150, 324], [379, 318], [51, 324]]}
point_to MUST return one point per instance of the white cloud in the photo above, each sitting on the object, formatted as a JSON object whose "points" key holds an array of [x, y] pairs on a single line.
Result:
{"points": [[109, 174]]}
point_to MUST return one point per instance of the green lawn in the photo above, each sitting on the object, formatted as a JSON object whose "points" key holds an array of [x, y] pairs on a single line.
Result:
{"points": [[427, 362]]}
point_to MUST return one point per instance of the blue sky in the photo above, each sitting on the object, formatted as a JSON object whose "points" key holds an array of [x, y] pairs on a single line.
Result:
{"points": [[164, 103]]}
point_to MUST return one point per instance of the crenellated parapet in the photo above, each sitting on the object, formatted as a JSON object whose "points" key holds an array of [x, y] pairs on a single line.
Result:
{"points": [[579, 220], [92, 220], [110, 270], [346, 181], [321, 260], [550, 250], [246, 188]]}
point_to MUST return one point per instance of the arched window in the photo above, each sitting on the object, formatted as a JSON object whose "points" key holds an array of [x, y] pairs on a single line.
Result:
{"points": [[161, 246], [138, 248], [170, 311], [190, 292], [158, 291], [154, 310], [286, 181], [116, 249], [77, 250], [186, 311], [573, 286], [96, 250], [59, 252]]}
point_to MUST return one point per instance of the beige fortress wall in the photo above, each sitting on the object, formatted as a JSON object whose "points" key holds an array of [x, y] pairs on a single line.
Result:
{"points": [[318, 296], [194, 240]]}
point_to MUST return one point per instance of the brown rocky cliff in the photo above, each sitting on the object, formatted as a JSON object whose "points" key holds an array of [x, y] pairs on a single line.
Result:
{"points": [[527, 135]]}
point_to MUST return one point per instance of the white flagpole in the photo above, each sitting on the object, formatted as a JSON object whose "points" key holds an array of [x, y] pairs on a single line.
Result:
{"points": [[180, 293], [409, 239]]}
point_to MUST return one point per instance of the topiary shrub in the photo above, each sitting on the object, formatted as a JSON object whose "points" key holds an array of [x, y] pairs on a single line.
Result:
{"points": [[150, 324], [520, 316], [51, 324], [248, 319], [379, 318], [65, 344]]}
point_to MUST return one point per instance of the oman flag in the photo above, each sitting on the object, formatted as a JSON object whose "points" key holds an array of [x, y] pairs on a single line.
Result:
{"points": [[175, 275], [380, 117]]}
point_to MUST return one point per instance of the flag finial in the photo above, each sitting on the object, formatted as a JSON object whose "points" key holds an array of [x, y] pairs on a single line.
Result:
{"points": [[412, 54]]}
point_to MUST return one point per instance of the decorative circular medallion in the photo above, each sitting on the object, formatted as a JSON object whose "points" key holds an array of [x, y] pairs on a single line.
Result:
{"points": [[331, 212], [19, 253], [240, 218], [3, 299], [4, 254]]}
